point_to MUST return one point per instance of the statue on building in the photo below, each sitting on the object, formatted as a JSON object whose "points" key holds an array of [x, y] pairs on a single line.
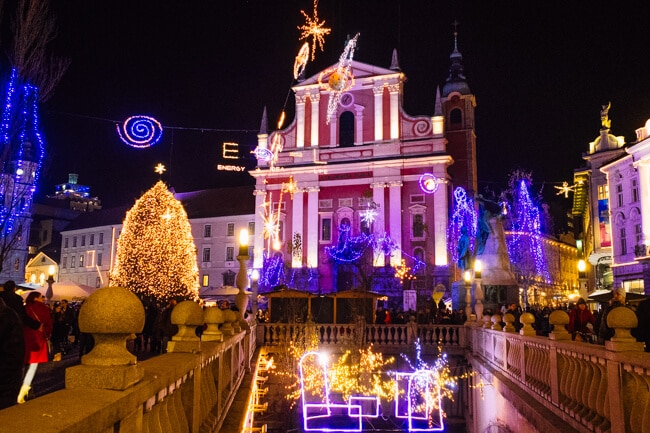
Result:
{"points": [[604, 116]]}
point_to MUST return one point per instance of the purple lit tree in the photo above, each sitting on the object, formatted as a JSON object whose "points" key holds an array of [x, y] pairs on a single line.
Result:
{"points": [[525, 246]]}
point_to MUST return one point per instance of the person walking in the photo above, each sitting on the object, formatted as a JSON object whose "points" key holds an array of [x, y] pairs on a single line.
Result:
{"points": [[580, 317], [12, 352], [618, 300], [35, 340], [642, 331]]}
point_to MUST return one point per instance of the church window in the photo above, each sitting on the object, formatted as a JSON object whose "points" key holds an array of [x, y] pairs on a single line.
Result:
{"points": [[346, 129], [456, 116]]}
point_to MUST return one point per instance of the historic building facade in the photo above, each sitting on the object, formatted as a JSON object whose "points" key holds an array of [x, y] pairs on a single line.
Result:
{"points": [[361, 167], [628, 180]]}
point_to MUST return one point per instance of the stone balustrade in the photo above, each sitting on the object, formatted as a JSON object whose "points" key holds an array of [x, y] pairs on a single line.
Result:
{"points": [[190, 389], [588, 387]]}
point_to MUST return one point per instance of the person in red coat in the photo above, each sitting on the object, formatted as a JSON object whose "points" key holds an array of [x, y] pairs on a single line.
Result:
{"points": [[35, 340], [579, 318]]}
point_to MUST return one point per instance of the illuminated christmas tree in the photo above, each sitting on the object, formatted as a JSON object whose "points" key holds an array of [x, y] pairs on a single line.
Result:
{"points": [[156, 255]]}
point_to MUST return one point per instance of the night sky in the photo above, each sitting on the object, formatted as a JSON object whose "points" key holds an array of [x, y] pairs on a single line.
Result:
{"points": [[207, 69]]}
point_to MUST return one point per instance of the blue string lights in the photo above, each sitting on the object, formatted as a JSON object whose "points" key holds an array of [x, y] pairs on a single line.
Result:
{"points": [[23, 146]]}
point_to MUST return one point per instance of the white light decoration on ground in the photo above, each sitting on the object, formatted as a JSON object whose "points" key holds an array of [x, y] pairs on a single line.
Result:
{"points": [[339, 79], [565, 189], [301, 60], [314, 29], [417, 394], [140, 131], [429, 183]]}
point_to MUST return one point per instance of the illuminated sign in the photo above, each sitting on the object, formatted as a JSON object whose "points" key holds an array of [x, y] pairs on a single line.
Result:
{"points": [[222, 167], [230, 151]]}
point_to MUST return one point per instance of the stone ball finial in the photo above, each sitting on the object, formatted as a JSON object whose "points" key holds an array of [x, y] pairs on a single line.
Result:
{"points": [[622, 320], [559, 319], [112, 310], [111, 314], [527, 319], [187, 313]]}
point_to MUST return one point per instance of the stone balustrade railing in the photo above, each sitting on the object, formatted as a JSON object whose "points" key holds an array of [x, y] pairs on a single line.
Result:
{"points": [[190, 389], [592, 388], [394, 335]]}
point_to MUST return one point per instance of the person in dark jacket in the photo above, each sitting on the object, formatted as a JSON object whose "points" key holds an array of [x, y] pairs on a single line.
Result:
{"points": [[642, 331], [15, 302], [12, 352]]}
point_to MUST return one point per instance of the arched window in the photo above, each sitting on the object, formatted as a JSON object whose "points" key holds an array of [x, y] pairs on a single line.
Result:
{"points": [[346, 129], [456, 116]]}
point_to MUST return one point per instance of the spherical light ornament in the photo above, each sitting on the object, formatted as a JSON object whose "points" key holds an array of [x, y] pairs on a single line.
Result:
{"points": [[429, 183], [336, 81], [140, 131]]}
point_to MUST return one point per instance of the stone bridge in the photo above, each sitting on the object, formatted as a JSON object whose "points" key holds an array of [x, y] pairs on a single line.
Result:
{"points": [[521, 382]]}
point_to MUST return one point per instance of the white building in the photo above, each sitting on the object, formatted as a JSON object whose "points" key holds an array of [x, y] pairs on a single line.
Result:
{"points": [[217, 216], [628, 180]]}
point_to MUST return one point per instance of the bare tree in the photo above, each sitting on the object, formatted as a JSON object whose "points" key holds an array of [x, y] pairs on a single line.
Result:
{"points": [[33, 28]]}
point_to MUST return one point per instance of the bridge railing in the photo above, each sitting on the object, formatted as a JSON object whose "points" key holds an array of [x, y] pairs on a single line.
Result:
{"points": [[190, 389], [592, 387], [338, 335]]}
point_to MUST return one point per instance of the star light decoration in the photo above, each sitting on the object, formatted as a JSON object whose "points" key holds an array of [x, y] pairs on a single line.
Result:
{"points": [[160, 169], [314, 28], [339, 78], [565, 189]]}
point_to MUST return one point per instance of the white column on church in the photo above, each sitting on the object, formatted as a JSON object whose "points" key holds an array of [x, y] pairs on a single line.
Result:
{"points": [[440, 223], [334, 137], [312, 227], [379, 113], [378, 225], [315, 100], [297, 225], [394, 111], [358, 128], [644, 191], [395, 219], [300, 121], [258, 245]]}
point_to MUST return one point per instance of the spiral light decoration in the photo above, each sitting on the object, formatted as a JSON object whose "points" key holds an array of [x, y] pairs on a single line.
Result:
{"points": [[140, 131]]}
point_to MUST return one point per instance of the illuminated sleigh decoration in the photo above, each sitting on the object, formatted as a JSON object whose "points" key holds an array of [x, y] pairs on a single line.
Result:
{"points": [[417, 400]]}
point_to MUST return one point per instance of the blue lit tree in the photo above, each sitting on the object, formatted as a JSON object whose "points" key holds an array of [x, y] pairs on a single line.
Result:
{"points": [[525, 246], [31, 78]]}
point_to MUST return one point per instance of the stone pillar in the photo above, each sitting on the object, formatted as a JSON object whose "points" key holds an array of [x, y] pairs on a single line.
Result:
{"points": [[187, 315], [111, 315], [378, 93]]}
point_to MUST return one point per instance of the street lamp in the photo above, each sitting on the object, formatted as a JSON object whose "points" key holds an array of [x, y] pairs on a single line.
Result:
{"points": [[478, 292], [467, 276], [582, 278], [241, 299], [50, 280]]}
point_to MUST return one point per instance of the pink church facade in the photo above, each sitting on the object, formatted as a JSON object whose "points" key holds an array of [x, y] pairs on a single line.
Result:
{"points": [[330, 166]]}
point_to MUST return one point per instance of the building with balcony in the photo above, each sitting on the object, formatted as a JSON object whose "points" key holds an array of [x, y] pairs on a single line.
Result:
{"points": [[628, 180]]}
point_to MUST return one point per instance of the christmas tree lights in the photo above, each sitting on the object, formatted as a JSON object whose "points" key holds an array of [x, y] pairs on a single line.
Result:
{"points": [[156, 255], [526, 242]]}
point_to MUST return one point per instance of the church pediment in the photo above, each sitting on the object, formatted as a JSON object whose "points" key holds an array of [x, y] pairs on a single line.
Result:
{"points": [[359, 70]]}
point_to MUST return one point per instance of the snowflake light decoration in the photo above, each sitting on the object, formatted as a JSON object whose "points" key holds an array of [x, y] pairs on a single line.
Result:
{"points": [[160, 169], [565, 189], [314, 28], [369, 215]]}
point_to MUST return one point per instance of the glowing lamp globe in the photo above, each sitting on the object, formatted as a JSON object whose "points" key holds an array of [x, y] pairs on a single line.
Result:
{"points": [[336, 81]]}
